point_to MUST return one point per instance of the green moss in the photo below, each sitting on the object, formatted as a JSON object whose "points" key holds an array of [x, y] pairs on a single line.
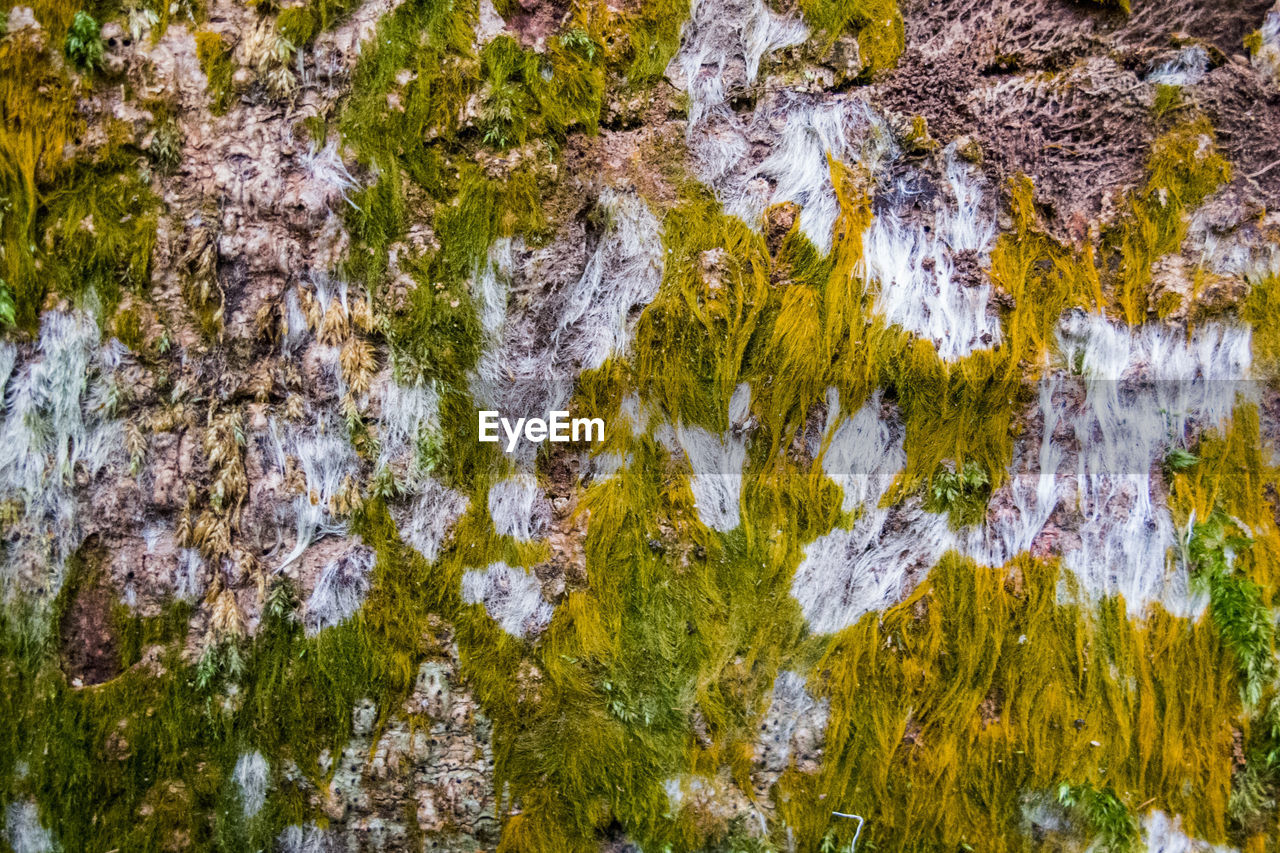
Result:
{"points": [[300, 24], [691, 343], [38, 106], [961, 494], [72, 223], [98, 227], [1261, 310], [1184, 167], [878, 24], [214, 55], [652, 38], [526, 94]]}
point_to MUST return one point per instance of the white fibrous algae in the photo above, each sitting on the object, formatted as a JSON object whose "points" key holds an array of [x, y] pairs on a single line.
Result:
{"points": [[798, 167], [321, 453], [622, 274], [330, 178], [511, 596], [189, 575], [59, 416], [306, 838], [1266, 57], [535, 349], [721, 48], [344, 582], [490, 287], [927, 275], [1020, 509], [296, 328], [23, 830], [518, 508], [715, 462], [607, 465], [251, 775], [716, 480], [1163, 834], [863, 454], [332, 298], [425, 522], [409, 423], [1146, 391], [874, 562], [794, 720], [1187, 68]]}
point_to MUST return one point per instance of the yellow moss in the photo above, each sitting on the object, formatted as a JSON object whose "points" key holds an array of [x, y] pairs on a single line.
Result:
{"points": [[878, 23], [214, 55], [1183, 168], [951, 708], [692, 340], [1043, 277], [1233, 474], [37, 123], [1261, 310]]}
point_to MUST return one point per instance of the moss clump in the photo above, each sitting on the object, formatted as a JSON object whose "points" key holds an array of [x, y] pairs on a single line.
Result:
{"points": [[1236, 603], [1042, 277], [652, 38], [99, 228], [76, 221], [1231, 544], [877, 23], [1225, 505], [1168, 101], [526, 95], [1253, 42], [692, 341], [1261, 310], [37, 108], [300, 24], [409, 118], [1184, 167], [214, 55]]}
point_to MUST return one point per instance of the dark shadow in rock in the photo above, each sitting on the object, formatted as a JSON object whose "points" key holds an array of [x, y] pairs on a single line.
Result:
{"points": [[87, 644]]}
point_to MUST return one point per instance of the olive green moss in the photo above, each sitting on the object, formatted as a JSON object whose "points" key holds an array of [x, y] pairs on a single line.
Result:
{"points": [[1102, 812], [1183, 167], [214, 55], [75, 222], [1261, 310], [651, 38], [878, 25]]}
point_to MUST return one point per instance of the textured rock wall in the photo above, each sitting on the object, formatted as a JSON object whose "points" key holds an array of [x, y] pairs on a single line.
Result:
{"points": [[938, 344]]}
